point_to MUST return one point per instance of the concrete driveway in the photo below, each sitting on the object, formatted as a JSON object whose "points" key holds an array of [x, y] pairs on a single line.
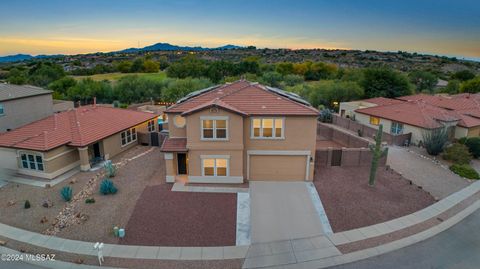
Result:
{"points": [[439, 181], [282, 211]]}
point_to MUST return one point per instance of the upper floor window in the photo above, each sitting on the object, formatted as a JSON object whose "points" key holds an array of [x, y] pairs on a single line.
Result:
{"points": [[129, 136], [151, 126], [374, 120], [269, 128], [397, 128], [214, 128], [2, 110], [179, 121], [32, 161]]}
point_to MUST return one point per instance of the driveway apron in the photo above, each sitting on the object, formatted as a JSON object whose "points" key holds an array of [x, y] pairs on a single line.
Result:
{"points": [[282, 211]]}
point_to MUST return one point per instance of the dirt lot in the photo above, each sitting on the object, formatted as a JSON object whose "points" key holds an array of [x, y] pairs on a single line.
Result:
{"points": [[165, 218], [351, 203], [105, 213]]}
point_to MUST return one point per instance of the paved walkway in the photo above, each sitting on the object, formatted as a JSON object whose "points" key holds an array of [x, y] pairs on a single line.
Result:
{"points": [[282, 211], [440, 182], [457, 247]]}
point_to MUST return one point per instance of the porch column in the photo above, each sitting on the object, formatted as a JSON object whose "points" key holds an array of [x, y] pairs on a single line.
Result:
{"points": [[84, 160]]}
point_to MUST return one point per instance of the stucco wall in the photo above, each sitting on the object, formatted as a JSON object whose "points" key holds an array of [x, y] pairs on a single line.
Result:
{"points": [[112, 145], [475, 131], [19, 112], [234, 137], [173, 130]]}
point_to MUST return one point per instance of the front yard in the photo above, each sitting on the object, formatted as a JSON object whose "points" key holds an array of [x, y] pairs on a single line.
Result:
{"points": [[144, 205], [351, 203]]}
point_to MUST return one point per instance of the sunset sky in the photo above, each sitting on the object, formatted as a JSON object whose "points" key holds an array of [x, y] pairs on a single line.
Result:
{"points": [[70, 27]]}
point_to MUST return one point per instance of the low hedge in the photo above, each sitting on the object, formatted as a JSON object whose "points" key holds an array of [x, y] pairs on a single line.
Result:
{"points": [[465, 170]]}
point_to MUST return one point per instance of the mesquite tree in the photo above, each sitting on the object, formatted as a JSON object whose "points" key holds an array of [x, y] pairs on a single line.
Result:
{"points": [[377, 152]]}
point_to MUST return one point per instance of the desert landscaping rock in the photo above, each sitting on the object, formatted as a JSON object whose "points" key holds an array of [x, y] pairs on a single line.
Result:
{"points": [[351, 203]]}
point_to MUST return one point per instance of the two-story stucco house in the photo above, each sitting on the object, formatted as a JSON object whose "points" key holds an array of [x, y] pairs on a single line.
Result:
{"points": [[23, 104], [240, 131]]}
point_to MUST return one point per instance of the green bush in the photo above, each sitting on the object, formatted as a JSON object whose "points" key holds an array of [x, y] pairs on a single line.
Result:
{"points": [[473, 144], [435, 140], [90, 200], [326, 115], [464, 170], [27, 204], [462, 140], [107, 187], [66, 193], [457, 153]]}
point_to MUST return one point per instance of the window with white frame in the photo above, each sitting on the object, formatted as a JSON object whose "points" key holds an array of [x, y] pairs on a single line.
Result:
{"points": [[2, 110], [269, 128], [129, 136], [215, 167], [151, 126], [397, 128], [32, 161], [214, 128]]}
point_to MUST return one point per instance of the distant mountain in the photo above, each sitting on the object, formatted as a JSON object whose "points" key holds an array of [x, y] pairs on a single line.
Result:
{"points": [[170, 47], [24, 57], [154, 47]]}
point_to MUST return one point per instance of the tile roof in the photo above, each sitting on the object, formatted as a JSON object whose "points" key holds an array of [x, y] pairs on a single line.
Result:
{"points": [[414, 113], [381, 101], [174, 145], [10, 91], [453, 102], [246, 98], [78, 127]]}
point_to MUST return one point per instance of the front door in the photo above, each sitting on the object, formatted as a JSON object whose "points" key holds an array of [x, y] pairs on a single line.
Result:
{"points": [[182, 163], [96, 151]]}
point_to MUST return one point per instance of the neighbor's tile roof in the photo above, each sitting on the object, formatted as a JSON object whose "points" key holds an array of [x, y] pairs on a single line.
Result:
{"points": [[10, 91], [414, 113], [381, 101], [246, 98], [174, 145], [453, 102], [78, 127]]}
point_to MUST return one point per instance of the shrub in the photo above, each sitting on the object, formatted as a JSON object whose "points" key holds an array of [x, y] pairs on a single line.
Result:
{"points": [[473, 144], [27, 204], [462, 140], [326, 116], [464, 170], [66, 193], [110, 169], [90, 200], [435, 140], [107, 187], [458, 154]]}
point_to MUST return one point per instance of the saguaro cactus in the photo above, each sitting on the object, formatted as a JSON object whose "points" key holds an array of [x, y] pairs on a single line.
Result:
{"points": [[378, 152]]}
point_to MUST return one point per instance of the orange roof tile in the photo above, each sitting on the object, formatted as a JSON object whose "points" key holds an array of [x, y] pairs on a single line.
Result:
{"points": [[78, 127], [174, 145], [414, 113], [247, 98], [381, 101]]}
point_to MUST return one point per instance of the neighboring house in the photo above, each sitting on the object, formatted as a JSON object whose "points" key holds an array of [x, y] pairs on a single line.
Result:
{"points": [[22, 104], [418, 114], [240, 131], [347, 109], [81, 137]]}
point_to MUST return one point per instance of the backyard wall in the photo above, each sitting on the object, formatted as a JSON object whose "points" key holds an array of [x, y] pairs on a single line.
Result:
{"points": [[343, 138], [349, 157], [370, 132]]}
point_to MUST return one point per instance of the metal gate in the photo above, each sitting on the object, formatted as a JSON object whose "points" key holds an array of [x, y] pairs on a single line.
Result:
{"points": [[336, 157], [154, 139]]}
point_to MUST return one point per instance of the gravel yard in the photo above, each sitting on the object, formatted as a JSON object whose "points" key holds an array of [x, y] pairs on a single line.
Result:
{"points": [[101, 216], [165, 218], [351, 203]]}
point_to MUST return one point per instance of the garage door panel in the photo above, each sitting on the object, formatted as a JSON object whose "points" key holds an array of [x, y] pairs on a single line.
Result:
{"points": [[277, 168]]}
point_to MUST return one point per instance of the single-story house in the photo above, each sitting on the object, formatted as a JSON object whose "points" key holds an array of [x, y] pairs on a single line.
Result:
{"points": [[78, 137]]}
